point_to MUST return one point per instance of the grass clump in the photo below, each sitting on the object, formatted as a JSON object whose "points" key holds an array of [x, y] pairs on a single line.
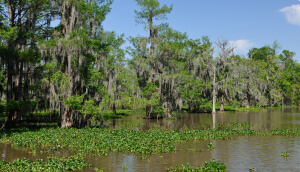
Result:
{"points": [[211, 166], [51, 164]]}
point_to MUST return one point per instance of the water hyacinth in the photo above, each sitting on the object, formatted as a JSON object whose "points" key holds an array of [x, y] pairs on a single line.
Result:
{"points": [[101, 141], [286, 132], [98, 141], [50, 164], [211, 166], [285, 154]]}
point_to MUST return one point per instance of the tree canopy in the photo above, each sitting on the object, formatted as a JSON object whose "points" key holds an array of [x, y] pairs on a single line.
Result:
{"points": [[76, 72]]}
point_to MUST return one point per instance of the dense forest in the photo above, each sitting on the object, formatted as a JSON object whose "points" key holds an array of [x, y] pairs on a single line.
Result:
{"points": [[77, 70]]}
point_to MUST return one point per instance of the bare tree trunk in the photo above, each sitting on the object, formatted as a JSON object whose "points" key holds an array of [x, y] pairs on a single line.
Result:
{"points": [[190, 107], [148, 111], [151, 60], [248, 100], [151, 63], [214, 92], [114, 109], [66, 116], [167, 110]]}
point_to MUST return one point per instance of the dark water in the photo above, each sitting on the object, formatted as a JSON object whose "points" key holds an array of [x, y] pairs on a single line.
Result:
{"points": [[264, 120], [238, 154]]}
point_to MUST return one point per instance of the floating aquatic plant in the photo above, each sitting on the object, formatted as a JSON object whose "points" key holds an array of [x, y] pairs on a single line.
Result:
{"points": [[98, 170], [50, 164], [211, 166], [124, 167], [285, 153], [210, 146], [102, 141]]}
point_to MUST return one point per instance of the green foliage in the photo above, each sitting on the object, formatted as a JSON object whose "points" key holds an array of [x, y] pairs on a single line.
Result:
{"points": [[286, 132], [2, 109], [20, 105], [261, 53], [102, 141], [151, 9], [89, 108], [205, 108], [98, 170], [8, 34], [152, 98], [51, 164], [76, 102], [61, 80], [211, 166], [124, 167], [210, 146], [285, 153]]}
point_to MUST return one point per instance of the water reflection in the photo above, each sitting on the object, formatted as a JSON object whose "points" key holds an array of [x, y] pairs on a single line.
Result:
{"points": [[8, 153], [239, 154], [264, 120], [214, 120]]}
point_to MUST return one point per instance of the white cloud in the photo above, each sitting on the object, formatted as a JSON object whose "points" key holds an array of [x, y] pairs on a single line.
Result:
{"points": [[292, 14], [241, 46]]}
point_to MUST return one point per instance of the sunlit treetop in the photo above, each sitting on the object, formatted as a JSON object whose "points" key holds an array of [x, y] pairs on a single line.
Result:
{"points": [[151, 9]]}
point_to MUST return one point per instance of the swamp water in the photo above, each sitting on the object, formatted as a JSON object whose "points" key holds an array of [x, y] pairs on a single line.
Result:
{"points": [[239, 154]]}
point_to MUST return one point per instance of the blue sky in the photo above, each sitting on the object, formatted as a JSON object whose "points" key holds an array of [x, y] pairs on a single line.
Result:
{"points": [[245, 23]]}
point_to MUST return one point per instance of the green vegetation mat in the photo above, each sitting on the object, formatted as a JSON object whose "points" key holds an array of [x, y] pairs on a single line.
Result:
{"points": [[211, 166], [99, 141], [51, 164]]}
